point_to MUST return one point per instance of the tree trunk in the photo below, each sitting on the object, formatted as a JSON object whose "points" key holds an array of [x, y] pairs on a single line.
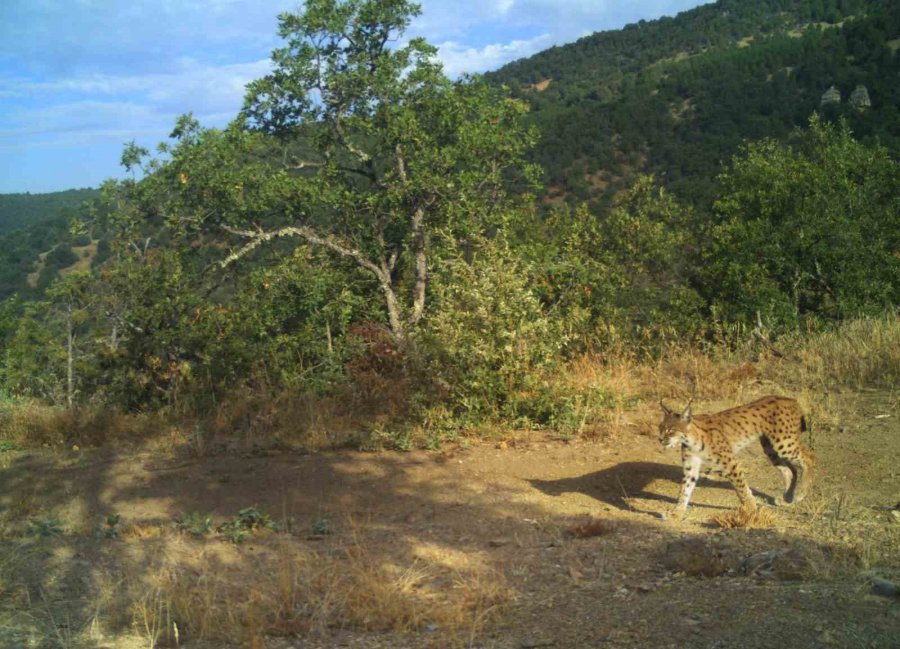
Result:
{"points": [[395, 317], [70, 358]]}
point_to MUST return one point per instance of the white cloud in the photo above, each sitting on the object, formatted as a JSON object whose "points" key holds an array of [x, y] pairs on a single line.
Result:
{"points": [[457, 58], [89, 75]]}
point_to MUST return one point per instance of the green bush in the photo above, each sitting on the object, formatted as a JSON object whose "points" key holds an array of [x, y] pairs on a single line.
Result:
{"points": [[488, 347]]}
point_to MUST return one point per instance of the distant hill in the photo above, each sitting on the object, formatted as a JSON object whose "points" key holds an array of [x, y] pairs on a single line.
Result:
{"points": [[677, 96], [21, 210], [35, 242]]}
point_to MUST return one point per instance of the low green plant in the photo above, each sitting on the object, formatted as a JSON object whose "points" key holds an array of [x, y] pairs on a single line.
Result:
{"points": [[322, 526], [45, 527], [108, 528], [248, 520], [194, 523]]}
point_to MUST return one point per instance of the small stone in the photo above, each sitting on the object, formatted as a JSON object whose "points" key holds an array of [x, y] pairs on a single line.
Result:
{"points": [[884, 587], [785, 564]]}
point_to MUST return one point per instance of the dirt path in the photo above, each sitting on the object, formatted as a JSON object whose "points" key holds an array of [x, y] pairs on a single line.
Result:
{"points": [[509, 509]]}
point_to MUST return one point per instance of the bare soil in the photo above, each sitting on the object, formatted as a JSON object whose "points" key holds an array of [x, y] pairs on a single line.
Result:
{"points": [[572, 529]]}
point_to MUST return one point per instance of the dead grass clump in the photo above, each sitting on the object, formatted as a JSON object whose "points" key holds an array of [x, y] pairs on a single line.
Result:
{"points": [[592, 527], [758, 518]]}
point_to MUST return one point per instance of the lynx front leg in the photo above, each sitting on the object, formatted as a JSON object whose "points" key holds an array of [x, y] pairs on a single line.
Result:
{"points": [[742, 488], [691, 467]]}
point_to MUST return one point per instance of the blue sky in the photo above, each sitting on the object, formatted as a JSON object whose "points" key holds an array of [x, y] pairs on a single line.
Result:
{"points": [[80, 78]]}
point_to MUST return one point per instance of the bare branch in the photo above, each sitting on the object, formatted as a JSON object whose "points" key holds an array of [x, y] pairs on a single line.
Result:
{"points": [[260, 236], [359, 153], [303, 164]]}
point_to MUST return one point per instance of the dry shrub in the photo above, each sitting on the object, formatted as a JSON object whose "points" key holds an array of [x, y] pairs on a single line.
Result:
{"points": [[300, 419], [136, 531], [592, 527], [757, 518], [378, 372], [862, 352], [685, 373], [611, 376], [30, 423]]}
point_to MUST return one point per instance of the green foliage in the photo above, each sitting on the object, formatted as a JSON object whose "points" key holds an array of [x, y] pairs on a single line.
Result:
{"points": [[488, 342], [25, 210], [247, 521], [39, 224], [627, 277], [108, 528], [365, 230], [194, 523], [45, 527], [8, 445], [806, 229], [322, 526]]}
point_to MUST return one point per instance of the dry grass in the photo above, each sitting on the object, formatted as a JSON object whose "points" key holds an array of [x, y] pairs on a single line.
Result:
{"points": [[299, 419], [286, 588], [744, 517], [30, 423], [859, 353]]}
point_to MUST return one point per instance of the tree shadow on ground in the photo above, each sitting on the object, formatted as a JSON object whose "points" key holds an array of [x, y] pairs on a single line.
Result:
{"points": [[388, 514]]}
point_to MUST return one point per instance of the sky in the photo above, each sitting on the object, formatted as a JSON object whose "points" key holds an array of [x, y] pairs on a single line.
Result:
{"points": [[81, 78]]}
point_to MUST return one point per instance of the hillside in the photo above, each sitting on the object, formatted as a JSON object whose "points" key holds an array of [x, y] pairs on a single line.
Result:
{"points": [[24, 210], [35, 242], [677, 96]]}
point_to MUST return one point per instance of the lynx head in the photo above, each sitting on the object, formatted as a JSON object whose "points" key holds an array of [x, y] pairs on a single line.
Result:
{"points": [[675, 426]]}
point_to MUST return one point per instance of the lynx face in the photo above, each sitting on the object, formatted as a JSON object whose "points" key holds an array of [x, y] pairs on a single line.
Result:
{"points": [[674, 430]]}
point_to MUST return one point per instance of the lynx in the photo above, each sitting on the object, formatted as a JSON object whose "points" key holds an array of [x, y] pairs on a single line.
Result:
{"points": [[776, 421]]}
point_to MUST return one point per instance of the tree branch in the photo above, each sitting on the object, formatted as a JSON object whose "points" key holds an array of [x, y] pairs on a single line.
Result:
{"points": [[260, 236]]}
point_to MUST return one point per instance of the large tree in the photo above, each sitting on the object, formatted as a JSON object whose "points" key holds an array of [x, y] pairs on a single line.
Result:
{"points": [[358, 143]]}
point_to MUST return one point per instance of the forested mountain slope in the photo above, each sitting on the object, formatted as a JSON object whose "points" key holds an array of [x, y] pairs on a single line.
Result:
{"points": [[677, 96], [35, 241]]}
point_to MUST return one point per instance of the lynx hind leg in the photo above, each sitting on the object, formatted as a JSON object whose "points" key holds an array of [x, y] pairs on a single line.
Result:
{"points": [[787, 469], [803, 464]]}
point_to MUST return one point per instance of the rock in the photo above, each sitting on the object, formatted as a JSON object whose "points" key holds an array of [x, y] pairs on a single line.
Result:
{"points": [[859, 98], [884, 587], [831, 96], [697, 558], [784, 563]]}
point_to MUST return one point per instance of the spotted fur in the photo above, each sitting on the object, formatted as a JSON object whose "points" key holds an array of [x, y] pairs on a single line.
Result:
{"points": [[717, 438]]}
